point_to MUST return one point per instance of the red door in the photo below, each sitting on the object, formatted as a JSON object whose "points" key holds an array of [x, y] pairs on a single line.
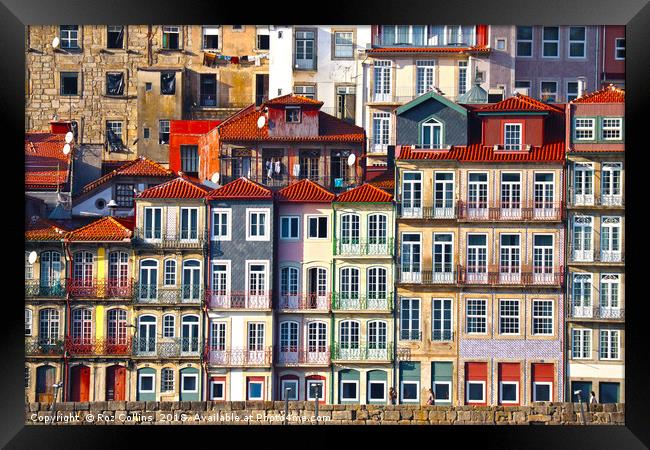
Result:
{"points": [[115, 383], [79, 383]]}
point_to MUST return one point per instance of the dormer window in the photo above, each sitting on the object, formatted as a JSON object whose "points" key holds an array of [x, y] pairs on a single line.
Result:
{"points": [[432, 134], [512, 136], [292, 114]]}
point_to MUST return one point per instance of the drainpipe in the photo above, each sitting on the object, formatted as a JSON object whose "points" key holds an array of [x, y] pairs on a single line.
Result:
{"points": [[66, 322], [206, 277], [332, 331], [596, 57], [393, 259]]}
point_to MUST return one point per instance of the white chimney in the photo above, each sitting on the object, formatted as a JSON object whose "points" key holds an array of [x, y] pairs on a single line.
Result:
{"points": [[582, 86]]}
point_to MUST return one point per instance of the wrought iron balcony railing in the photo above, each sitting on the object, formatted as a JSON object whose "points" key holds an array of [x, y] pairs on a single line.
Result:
{"points": [[596, 312], [34, 289], [167, 347], [289, 356], [158, 293], [577, 199], [364, 247], [511, 211], [593, 255], [441, 275], [239, 357], [305, 302], [426, 212], [216, 299], [35, 346], [410, 335], [164, 238], [361, 351], [442, 335], [97, 346], [372, 302], [511, 276], [111, 288]]}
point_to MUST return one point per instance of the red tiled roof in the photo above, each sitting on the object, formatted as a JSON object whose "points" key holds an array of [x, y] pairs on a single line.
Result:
{"points": [[180, 187], [292, 99], [474, 49], [385, 181], [40, 229], [553, 152], [104, 229], [241, 188], [366, 193], [609, 94], [518, 102], [141, 167], [46, 167], [305, 191]]}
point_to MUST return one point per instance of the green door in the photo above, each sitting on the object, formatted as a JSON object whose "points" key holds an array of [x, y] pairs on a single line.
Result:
{"points": [[441, 381]]}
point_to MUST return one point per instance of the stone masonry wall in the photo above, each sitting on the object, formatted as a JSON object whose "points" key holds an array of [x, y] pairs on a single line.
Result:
{"points": [[272, 413]]}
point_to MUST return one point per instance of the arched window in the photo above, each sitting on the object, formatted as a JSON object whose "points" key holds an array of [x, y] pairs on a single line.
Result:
{"points": [[83, 269], [168, 326], [170, 272], [116, 326], [50, 274], [82, 325], [167, 379], [190, 334], [377, 283], [289, 281], [349, 286], [349, 229], [48, 326], [118, 268], [288, 336], [148, 280], [146, 341], [377, 229], [432, 134], [316, 337], [349, 334]]}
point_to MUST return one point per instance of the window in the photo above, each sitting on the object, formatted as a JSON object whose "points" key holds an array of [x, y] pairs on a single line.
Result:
{"points": [[410, 319], [462, 77], [432, 134], [316, 337], [148, 86], [289, 390], [28, 322], [542, 391], [255, 390], [548, 90], [571, 90], [115, 83], [610, 239], [263, 37], [501, 44], [509, 258], [317, 227], [577, 42], [476, 316], [441, 319], [477, 257], [82, 269], [377, 391], [69, 83], [550, 42], [190, 159], [308, 91], [382, 81], [522, 84], [509, 316], [411, 194], [376, 289], [584, 129], [48, 326], [509, 392], [163, 132], [543, 258], [315, 387], [349, 337], [115, 36], [288, 336], [169, 326], [609, 344], [114, 135], [292, 114], [257, 280], [189, 224], [169, 272], [124, 194], [82, 325], [167, 380], [167, 83], [477, 193], [425, 76], [289, 281], [512, 136], [349, 390], [118, 269], [525, 42], [146, 132], [146, 383], [542, 317], [543, 190], [612, 129], [171, 37], [289, 227], [611, 189], [410, 391], [305, 52], [221, 224], [460, 35], [257, 225], [238, 27], [69, 36], [350, 229], [582, 238], [218, 336], [343, 44], [208, 89], [619, 49], [475, 391], [217, 390], [415, 35], [29, 268], [377, 330], [152, 223], [380, 130], [210, 35], [189, 382], [582, 283], [581, 343], [443, 262]]}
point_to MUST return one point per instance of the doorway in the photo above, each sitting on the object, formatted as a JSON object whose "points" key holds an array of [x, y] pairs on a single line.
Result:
{"points": [[115, 383]]}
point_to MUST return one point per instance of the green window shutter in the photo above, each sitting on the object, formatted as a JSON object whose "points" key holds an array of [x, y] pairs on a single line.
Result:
{"points": [[349, 375], [441, 371], [409, 371], [377, 375]]}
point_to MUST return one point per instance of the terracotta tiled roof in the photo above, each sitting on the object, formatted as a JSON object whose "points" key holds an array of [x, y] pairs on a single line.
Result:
{"points": [[46, 167], [104, 229], [385, 181], [141, 167], [474, 49], [553, 152], [39, 229], [291, 99], [305, 191], [366, 193], [609, 94], [177, 188], [518, 102], [241, 188]]}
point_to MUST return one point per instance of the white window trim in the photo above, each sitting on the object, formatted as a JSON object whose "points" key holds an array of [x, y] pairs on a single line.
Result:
{"points": [[508, 402], [521, 135], [265, 263], [590, 334], [289, 217], [190, 375], [283, 388], [308, 218], [350, 399], [518, 316], [543, 383], [609, 332], [619, 128], [322, 391], [532, 317], [592, 128], [180, 224], [215, 382], [467, 316], [467, 383], [153, 223], [583, 41], [559, 37], [401, 392], [248, 390], [383, 383], [505, 44], [228, 213], [225, 262], [556, 94], [29, 318], [410, 319], [447, 400], [616, 48], [267, 224], [153, 383]]}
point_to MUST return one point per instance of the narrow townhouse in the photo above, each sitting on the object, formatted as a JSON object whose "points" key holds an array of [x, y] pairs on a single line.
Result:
{"points": [[595, 311], [362, 300], [239, 298], [304, 271], [170, 252]]}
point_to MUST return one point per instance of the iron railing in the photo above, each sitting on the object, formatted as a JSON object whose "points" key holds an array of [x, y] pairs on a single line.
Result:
{"points": [[111, 288], [43, 347], [34, 288], [216, 299], [410, 335], [239, 357], [166, 347], [511, 211], [428, 276], [164, 238], [364, 247], [510, 276], [158, 293], [299, 356], [376, 302], [362, 351], [305, 302], [596, 312], [575, 199], [427, 212], [442, 335], [593, 255], [98, 346]]}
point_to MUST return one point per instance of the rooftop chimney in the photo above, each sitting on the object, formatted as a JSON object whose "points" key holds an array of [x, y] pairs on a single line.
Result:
{"points": [[582, 86]]}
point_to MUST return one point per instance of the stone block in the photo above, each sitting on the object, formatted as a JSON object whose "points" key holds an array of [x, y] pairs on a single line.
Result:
{"points": [[391, 416], [165, 406], [197, 406], [98, 406], [406, 414], [135, 406], [539, 418], [151, 406], [342, 415]]}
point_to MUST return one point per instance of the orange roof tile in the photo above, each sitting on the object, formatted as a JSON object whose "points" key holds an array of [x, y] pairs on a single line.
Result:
{"points": [[609, 94], [104, 229], [518, 102], [241, 188], [385, 181], [292, 99], [180, 187], [366, 193], [553, 152], [46, 167], [474, 49], [305, 191], [140, 167], [39, 229]]}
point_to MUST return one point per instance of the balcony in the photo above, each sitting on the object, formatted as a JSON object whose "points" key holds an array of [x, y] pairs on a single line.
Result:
{"points": [[118, 289], [43, 347], [404, 94], [166, 347], [596, 313], [238, 300], [510, 211], [168, 239], [423, 40], [161, 294], [348, 302], [240, 357], [442, 335], [446, 275], [591, 200], [305, 302], [612, 200], [426, 212], [510, 276], [291, 356], [365, 247], [362, 352], [98, 347], [595, 256], [34, 289], [410, 335]]}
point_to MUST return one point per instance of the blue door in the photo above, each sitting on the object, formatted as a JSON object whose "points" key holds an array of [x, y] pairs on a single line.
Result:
{"points": [[609, 392], [584, 386]]}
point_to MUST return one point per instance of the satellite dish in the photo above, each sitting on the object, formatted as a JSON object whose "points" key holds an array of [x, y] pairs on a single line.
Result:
{"points": [[66, 149], [55, 42], [261, 120], [112, 203], [69, 137], [32, 257], [351, 159], [215, 178]]}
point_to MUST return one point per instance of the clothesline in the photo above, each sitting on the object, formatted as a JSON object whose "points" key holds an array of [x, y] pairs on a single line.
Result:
{"points": [[210, 59]]}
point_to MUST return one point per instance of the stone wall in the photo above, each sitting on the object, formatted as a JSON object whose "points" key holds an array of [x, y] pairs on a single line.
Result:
{"points": [[272, 413]]}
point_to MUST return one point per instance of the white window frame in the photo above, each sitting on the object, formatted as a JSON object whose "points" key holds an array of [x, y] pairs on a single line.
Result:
{"points": [[518, 317], [440, 323], [380, 130], [582, 127], [251, 262], [580, 349], [289, 220], [153, 383], [308, 237], [520, 128], [554, 93], [228, 235], [189, 375], [322, 391], [572, 94], [153, 237], [543, 383], [248, 390], [501, 40], [533, 316], [544, 41], [215, 31], [445, 400], [608, 350], [29, 329], [349, 399], [223, 390], [267, 224], [531, 40], [293, 381], [617, 47], [467, 315], [225, 262], [188, 238], [401, 391], [165, 328], [618, 128], [467, 383], [508, 402], [582, 41], [163, 387], [337, 45], [383, 383], [410, 318]]}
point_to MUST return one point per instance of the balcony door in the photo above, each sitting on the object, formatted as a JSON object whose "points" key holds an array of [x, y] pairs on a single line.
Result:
{"points": [[190, 334], [412, 194], [192, 281], [544, 194], [477, 199], [543, 271], [257, 285], [583, 231], [443, 258], [511, 195], [309, 165], [346, 103], [583, 184], [349, 340], [510, 259], [146, 334], [289, 287], [316, 340], [256, 343], [208, 89], [148, 280], [610, 239], [477, 258], [317, 288], [582, 306], [382, 84], [289, 342], [443, 195], [411, 258], [350, 243]]}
